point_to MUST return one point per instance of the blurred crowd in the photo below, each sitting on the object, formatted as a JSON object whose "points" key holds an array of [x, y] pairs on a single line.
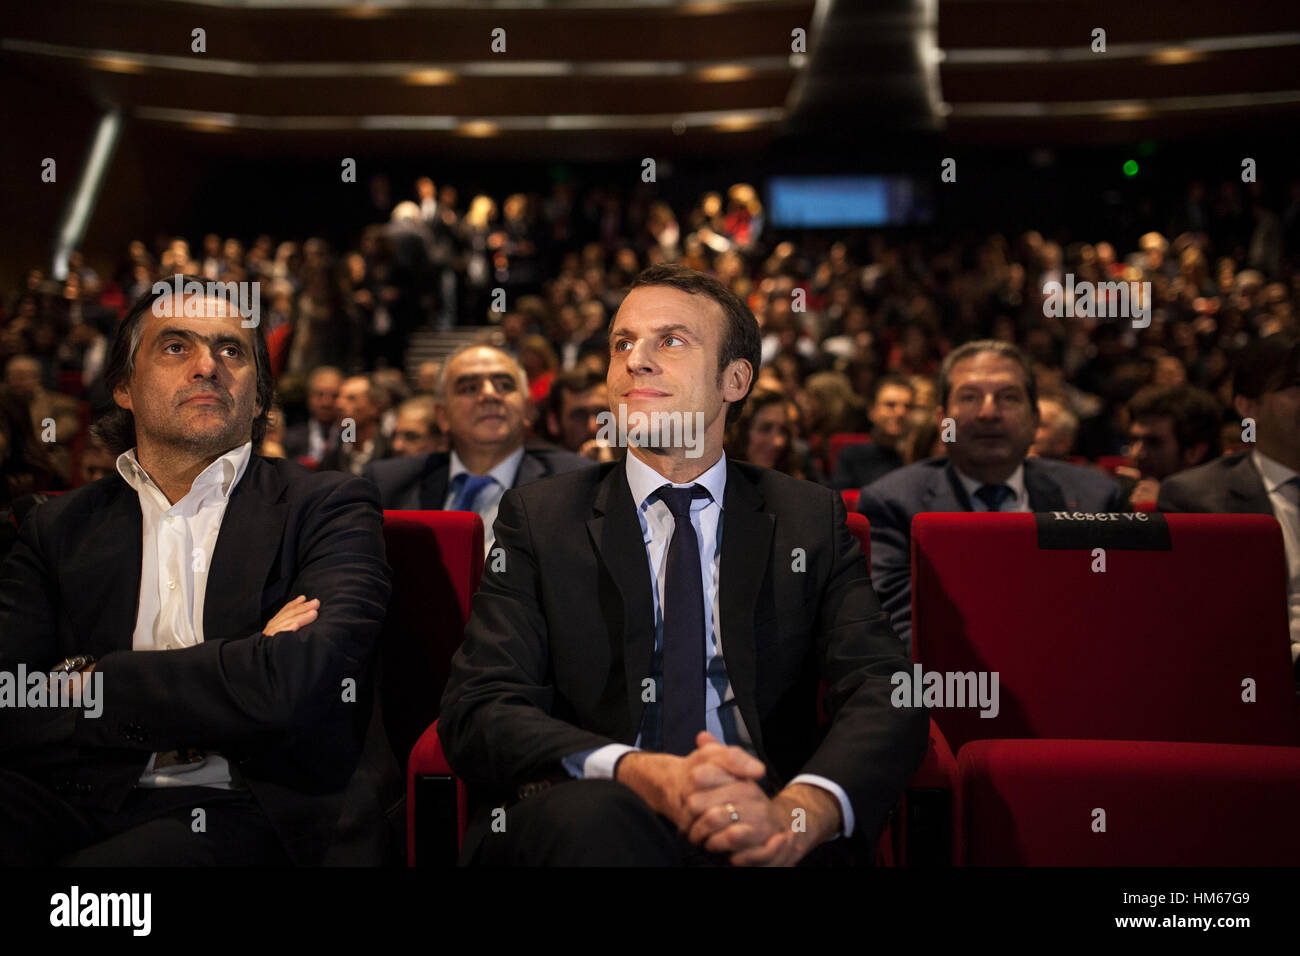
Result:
{"points": [[855, 324]]}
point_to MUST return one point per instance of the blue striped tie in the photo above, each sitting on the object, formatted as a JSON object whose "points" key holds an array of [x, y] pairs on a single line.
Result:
{"points": [[469, 486], [994, 496]]}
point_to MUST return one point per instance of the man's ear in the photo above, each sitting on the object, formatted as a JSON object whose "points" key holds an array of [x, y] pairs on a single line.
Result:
{"points": [[440, 416], [1246, 407], [736, 380], [122, 397]]}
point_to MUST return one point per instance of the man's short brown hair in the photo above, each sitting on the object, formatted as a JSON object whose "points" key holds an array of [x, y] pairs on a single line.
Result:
{"points": [[741, 338]]}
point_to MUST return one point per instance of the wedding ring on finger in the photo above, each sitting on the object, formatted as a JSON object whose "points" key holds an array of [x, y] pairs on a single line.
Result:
{"points": [[731, 811]]}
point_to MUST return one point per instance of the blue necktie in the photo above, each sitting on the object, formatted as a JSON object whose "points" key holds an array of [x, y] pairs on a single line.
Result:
{"points": [[682, 605], [994, 496], [469, 486]]}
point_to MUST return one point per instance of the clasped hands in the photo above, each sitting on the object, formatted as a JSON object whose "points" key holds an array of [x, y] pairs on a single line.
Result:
{"points": [[703, 791]]}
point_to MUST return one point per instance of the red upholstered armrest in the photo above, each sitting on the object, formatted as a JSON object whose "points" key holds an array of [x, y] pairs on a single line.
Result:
{"points": [[428, 761], [427, 758], [938, 771]]}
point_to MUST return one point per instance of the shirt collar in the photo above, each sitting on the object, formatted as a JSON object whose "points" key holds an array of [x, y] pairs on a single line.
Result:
{"points": [[1273, 472], [1016, 482], [223, 473], [645, 481], [504, 472]]}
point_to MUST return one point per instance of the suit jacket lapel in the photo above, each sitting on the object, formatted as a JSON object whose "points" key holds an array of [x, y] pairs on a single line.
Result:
{"points": [[946, 492], [115, 595], [1246, 492], [432, 485], [747, 533], [531, 467], [616, 534], [1044, 493], [248, 542]]}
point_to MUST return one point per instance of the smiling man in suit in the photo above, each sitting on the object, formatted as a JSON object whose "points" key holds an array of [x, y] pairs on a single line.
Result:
{"points": [[639, 678], [483, 408], [987, 389], [226, 604]]}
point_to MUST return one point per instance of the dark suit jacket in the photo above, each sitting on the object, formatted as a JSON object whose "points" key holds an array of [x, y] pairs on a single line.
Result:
{"points": [[419, 482], [334, 459], [272, 705], [860, 465], [558, 643], [297, 441], [932, 485], [1228, 485]]}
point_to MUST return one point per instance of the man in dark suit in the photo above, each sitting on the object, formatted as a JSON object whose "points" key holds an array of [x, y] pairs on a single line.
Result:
{"points": [[989, 408], [314, 437], [361, 440], [860, 465], [258, 586], [483, 408], [639, 678], [1266, 481]]}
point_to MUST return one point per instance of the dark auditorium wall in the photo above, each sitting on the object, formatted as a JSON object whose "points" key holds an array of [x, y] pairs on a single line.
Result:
{"points": [[38, 120]]}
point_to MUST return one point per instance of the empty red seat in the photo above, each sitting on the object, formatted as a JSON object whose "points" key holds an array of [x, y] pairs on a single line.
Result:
{"points": [[1164, 678], [437, 562], [1127, 803], [1156, 647]]}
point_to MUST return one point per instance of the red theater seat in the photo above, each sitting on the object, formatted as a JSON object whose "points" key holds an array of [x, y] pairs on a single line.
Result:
{"points": [[1111, 462], [437, 561], [839, 442], [1127, 803], [850, 496], [1116, 656]]}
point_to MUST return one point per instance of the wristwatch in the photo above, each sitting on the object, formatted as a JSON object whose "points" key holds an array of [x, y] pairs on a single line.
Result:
{"points": [[71, 665]]}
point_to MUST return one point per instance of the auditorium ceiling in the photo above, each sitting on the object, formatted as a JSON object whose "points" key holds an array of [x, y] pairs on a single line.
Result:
{"points": [[599, 79]]}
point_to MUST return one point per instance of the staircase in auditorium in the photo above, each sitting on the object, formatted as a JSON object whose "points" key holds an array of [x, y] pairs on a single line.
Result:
{"points": [[429, 345]]}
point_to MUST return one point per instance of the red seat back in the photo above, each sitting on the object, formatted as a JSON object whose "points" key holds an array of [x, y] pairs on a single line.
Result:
{"points": [[1156, 647], [1111, 462], [850, 496], [437, 561], [840, 441], [861, 529]]}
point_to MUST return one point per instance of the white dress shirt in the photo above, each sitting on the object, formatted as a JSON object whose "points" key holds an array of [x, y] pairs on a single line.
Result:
{"points": [[721, 713], [1285, 498], [1019, 501], [489, 499], [178, 543]]}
